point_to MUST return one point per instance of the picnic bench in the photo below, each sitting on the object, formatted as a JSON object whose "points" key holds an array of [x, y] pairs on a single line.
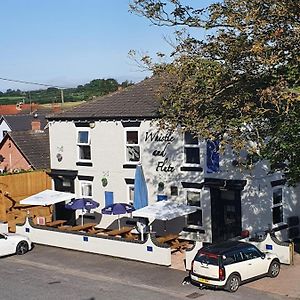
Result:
{"points": [[173, 241], [56, 223], [124, 232], [84, 227]]}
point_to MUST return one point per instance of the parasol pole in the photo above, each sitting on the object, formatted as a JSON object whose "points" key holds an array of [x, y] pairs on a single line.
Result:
{"points": [[82, 217], [119, 223]]}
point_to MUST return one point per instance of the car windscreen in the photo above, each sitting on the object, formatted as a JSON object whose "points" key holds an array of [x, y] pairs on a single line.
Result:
{"points": [[207, 259]]}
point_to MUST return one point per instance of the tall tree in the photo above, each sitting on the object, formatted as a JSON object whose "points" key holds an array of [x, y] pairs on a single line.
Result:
{"points": [[239, 84]]}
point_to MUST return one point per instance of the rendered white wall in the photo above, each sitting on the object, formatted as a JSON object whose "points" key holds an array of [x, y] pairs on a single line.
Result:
{"points": [[108, 157]]}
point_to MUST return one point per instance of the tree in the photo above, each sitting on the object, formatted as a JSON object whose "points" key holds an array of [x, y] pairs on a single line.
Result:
{"points": [[239, 84]]}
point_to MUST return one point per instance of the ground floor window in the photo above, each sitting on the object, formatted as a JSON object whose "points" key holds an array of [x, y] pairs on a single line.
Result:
{"points": [[86, 189], [277, 209], [130, 194], [194, 199]]}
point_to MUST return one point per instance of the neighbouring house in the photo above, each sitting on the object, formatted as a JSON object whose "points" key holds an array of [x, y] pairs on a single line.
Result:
{"points": [[25, 150], [20, 122], [95, 148]]}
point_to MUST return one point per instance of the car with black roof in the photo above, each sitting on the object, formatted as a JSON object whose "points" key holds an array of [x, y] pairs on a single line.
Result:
{"points": [[229, 264]]}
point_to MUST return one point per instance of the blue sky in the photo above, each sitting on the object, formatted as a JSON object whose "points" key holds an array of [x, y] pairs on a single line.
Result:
{"points": [[70, 42]]}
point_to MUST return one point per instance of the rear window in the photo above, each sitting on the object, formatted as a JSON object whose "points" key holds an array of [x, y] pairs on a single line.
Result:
{"points": [[207, 259]]}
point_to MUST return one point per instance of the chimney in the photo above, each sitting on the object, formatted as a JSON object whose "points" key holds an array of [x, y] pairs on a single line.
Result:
{"points": [[36, 125]]}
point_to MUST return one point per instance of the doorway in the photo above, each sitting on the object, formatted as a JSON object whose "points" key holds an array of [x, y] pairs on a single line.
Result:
{"points": [[225, 214], [64, 184]]}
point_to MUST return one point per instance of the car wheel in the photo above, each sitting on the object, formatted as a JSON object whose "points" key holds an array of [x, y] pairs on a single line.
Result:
{"points": [[274, 269], [22, 248], [233, 283]]}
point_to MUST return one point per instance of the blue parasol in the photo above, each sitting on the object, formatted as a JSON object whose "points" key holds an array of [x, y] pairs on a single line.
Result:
{"points": [[140, 199], [82, 203], [117, 209]]}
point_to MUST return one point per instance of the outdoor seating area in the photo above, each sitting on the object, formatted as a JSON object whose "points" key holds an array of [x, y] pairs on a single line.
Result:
{"points": [[90, 228]]}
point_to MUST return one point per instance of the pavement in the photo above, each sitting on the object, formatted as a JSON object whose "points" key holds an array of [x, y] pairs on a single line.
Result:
{"points": [[286, 284]]}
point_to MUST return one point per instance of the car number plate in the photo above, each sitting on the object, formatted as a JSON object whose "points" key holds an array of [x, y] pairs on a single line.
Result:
{"points": [[202, 280]]}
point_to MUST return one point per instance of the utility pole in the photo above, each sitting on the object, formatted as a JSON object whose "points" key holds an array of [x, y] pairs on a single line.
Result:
{"points": [[62, 96]]}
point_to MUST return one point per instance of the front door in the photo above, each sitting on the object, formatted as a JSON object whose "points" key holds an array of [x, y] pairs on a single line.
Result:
{"points": [[225, 214]]}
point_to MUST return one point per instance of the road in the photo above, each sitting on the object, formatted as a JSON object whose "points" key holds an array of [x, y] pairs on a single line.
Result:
{"points": [[53, 273]]}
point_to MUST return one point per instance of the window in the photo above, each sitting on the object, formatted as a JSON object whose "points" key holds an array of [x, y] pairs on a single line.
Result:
{"points": [[83, 143], [174, 191], [191, 149], [130, 194], [251, 253], [193, 199], [232, 257], [132, 146], [277, 209], [86, 189]]}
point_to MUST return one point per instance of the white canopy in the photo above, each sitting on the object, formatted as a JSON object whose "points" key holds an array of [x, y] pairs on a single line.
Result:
{"points": [[47, 197], [164, 210]]}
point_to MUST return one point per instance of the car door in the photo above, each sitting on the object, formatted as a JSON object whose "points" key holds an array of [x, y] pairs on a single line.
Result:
{"points": [[256, 265], [234, 262], [5, 247]]}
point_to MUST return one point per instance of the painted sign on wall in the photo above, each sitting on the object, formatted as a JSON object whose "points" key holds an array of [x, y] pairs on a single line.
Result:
{"points": [[163, 141]]}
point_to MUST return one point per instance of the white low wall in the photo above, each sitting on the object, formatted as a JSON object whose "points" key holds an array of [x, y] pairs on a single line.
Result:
{"points": [[145, 251], [190, 254], [283, 250]]}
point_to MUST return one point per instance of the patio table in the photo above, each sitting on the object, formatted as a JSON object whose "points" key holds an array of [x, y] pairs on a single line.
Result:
{"points": [[174, 242], [56, 223], [123, 231], [167, 238], [83, 227]]}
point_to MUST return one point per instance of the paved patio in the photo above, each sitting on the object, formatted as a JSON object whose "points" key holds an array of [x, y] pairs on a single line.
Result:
{"points": [[286, 284]]}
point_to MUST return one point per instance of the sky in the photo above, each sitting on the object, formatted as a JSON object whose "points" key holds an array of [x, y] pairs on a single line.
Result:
{"points": [[71, 42]]}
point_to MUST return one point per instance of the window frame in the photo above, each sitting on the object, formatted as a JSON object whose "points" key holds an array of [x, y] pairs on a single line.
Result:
{"points": [[79, 144], [194, 146], [128, 129], [129, 187], [81, 183], [278, 205], [199, 208]]}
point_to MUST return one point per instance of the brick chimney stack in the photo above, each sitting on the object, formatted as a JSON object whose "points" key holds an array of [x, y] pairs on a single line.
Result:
{"points": [[36, 125]]}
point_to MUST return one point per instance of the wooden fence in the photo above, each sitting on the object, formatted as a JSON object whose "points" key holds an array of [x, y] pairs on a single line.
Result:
{"points": [[16, 187]]}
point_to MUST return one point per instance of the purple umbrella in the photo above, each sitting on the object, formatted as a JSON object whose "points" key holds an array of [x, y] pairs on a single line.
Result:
{"points": [[82, 203], [117, 209]]}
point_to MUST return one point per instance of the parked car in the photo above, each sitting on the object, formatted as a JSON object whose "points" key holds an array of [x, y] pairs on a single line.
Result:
{"points": [[11, 243], [228, 264]]}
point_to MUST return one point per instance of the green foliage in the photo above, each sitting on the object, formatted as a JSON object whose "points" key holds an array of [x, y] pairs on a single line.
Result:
{"points": [[240, 84], [97, 87]]}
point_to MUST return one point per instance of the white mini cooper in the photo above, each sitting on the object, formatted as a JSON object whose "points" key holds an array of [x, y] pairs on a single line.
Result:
{"points": [[228, 264], [11, 243]]}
